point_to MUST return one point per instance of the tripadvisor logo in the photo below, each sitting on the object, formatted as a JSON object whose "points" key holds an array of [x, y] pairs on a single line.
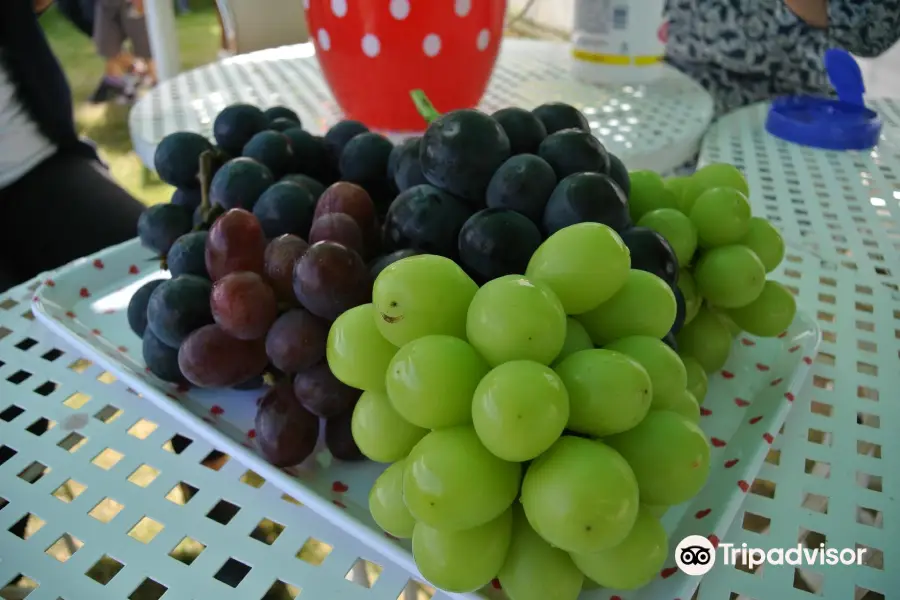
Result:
{"points": [[695, 555]]}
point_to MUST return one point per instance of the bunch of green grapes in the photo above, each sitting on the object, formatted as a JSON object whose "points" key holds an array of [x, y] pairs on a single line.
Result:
{"points": [[725, 255], [538, 418]]}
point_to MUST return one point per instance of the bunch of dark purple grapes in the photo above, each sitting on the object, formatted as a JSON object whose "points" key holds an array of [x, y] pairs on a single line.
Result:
{"points": [[264, 250]]}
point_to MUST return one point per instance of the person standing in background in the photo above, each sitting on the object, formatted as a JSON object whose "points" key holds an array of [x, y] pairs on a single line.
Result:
{"points": [[115, 22], [746, 51]]}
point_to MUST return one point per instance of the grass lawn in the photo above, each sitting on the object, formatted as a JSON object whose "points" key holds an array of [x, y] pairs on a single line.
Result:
{"points": [[107, 124]]}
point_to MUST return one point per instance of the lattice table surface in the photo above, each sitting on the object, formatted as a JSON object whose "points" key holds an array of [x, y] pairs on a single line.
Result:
{"points": [[656, 126]]}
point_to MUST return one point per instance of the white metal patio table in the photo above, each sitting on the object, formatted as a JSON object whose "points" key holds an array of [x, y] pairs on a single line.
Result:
{"points": [[658, 126]]}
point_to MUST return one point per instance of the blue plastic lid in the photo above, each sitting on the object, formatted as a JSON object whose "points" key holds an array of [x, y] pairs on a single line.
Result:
{"points": [[842, 124]]}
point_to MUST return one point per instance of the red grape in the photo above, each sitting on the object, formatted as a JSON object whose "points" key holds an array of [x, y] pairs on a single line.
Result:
{"points": [[322, 394], [236, 243], [340, 228], [296, 341], [209, 358], [280, 256], [330, 279], [351, 199], [243, 305], [286, 433], [339, 437]]}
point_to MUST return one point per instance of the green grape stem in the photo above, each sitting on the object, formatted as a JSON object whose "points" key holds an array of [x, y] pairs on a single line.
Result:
{"points": [[424, 106], [206, 172]]}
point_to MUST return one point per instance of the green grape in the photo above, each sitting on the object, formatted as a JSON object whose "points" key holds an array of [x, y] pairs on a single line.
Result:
{"points": [[535, 570], [692, 298], [730, 276], [422, 295], [452, 482], [765, 241], [684, 404], [662, 364], [386, 503], [356, 352], [721, 175], [721, 216], [644, 306], [707, 339], [657, 510], [633, 563], [577, 339], [512, 318], [609, 392], [678, 187], [584, 265], [431, 380], [648, 192], [669, 456], [380, 433], [733, 329], [589, 584], [678, 230], [580, 495], [697, 381], [519, 410], [768, 315], [462, 561]]}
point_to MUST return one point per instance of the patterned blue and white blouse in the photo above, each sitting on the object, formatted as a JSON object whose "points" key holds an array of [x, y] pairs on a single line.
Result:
{"points": [[745, 51]]}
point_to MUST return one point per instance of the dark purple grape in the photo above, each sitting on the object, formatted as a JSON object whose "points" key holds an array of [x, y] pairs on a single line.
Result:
{"points": [[281, 255], [210, 358], [243, 305], [137, 306], [364, 158], [524, 184], [281, 125], [286, 433], [382, 262], [281, 112], [407, 170], [352, 200], [670, 341], [286, 207], [330, 279], [461, 150], [239, 183], [573, 151], [321, 393], [586, 197], [426, 219], [161, 224], [188, 198], [177, 158], [524, 130], [310, 155], [680, 310], [313, 186], [236, 124], [339, 438], [619, 173], [296, 341], [178, 307], [271, 149], [340, 133], [497, 241], [187, 256], [651, 252], [160, 359], [557, 116]]}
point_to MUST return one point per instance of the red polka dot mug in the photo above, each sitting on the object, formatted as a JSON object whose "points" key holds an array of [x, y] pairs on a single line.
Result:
{"points": [[374, 52]]}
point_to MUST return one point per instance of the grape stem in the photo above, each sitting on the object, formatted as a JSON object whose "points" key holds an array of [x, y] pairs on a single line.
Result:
{"points": [[206, 169], [424, 106]]}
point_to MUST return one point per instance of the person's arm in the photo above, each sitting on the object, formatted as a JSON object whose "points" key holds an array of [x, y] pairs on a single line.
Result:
{"points": [[865, 28]]}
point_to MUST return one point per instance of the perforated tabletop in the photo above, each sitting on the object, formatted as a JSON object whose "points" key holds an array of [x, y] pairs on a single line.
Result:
{"points": [[658, 126]]}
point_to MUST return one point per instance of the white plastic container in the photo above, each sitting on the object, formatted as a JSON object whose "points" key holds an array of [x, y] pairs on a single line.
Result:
{"points": [[618, 41]]}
